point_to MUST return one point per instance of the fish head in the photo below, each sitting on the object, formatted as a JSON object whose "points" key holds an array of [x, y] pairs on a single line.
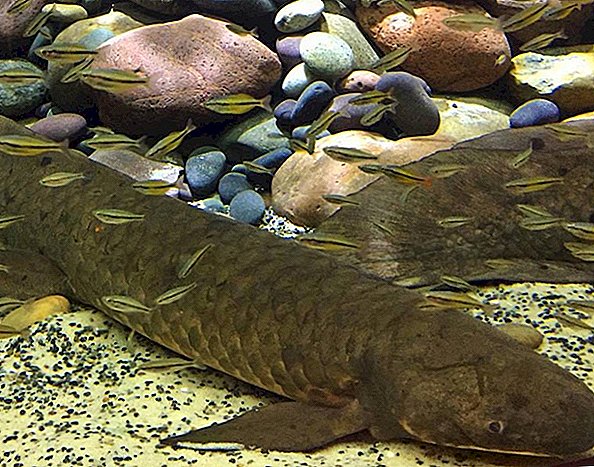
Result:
{"points": [[462, 383]]}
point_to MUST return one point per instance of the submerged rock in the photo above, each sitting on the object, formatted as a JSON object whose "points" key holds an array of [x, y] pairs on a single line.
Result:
{"points": [[534, 112]]}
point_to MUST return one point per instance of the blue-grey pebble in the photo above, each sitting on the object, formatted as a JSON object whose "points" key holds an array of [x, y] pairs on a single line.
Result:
{"points": [[301, 132], [247, 206], [416, 114], [296, 80], [232, 183], [283, 113], [213, 205], [298, 15], [274, 159], [312, 101], [326, 55], [203, 172], [287, 49], [534, 112], [17, 100]]}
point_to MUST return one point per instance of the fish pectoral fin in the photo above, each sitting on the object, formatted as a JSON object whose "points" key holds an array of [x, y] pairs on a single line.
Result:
{"points": [[286, 426]]}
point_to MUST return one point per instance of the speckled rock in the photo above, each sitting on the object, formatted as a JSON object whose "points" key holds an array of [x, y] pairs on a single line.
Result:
{"points": [[296, 80], [416, 113], [180, 78], [16, 99], [65, 13], [358, 81], [534, 112], [449, 60], [346, 28], [298, 15], [247, 206], [91, 33], [565, 78], [326, 55], [287, 49], [311, 102], [232, 183], [60, 127], [13, 25], [203, 172], [299, 184]]}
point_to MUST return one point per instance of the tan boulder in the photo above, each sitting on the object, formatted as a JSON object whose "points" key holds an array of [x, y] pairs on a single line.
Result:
{"points": [[449, 60], [299, 184], [188, 62]]}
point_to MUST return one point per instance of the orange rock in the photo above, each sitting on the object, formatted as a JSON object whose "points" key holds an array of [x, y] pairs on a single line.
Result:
{"points": [[449, 60]]}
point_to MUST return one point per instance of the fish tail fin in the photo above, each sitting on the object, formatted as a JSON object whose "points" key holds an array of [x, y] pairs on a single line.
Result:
{"points": [[265, 103]]}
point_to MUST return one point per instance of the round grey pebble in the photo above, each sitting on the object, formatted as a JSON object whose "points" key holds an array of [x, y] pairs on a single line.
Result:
{"points": [[298, 15], [60, 127], [247, 206], [203, 172], [296, 80], [534, 112], [326, 55], [231, 184]]}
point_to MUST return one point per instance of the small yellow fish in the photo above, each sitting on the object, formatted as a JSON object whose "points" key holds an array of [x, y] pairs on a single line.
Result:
{"points": [[583, 251], [534, 211], [564, 132], [170, 142], [524, 18], [446, 170], [153, 187], [375, 115], [297, 144], [39, 21], [571, 321], [583, 306], [64, 53], [541, 223], [382, 228], [113, 80], [403, 5], [530, 185], [113, 141], [237, 104], [561, 11], [325, 242], [344, 154], [124, 304], [454, 221], [101, 130], [9, 303], [340, 199], [117, 216], [8, 220], [474, 22], [457, 283], [583, 230], [453, 299], [323, 122], [20, 76], [396, 172], [391, 60], [542, 40], [521, 158], [372, 97], [18, 6], [258, 168], [59, 179], [175, 294], [186, 268], [75, 72], [240, 30], [26, 146]]}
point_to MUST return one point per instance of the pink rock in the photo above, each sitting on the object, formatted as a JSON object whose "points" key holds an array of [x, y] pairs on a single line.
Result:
{"points": [[13, 25], [188, 62], [449, 60], [61, 126]]}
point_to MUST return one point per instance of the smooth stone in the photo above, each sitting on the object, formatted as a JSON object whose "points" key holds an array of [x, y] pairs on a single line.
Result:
{"points": [[274, 159], [534, 112], [232, 183], [19, 99], [564, 78], [60, 127], [312, 101], [358, 81], [298, 185], [203, 172], [13, 26], [92, 32], [173, 55], [326, 55], [65, 13], [283, 112], [213, 205], [287, 49], [252, 137], [346, 28], [416, 114], [247, 206], [298, 15], [296, 80], [449, 60]]}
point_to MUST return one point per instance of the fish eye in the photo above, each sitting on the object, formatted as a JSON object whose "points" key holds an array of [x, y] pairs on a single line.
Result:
{"points": [[495, 426]]}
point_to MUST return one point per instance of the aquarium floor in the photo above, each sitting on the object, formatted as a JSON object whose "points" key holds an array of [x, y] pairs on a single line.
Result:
{"points": [[70, 394]]}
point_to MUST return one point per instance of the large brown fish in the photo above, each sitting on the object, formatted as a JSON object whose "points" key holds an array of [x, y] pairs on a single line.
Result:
{"points": [[353, 352]]}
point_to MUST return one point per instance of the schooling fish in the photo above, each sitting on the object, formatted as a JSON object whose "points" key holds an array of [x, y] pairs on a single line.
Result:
{"points": [[542, 40], [18, 6], [391, 60], [113, 80], [350, 352], [20, 76], [64, 53], [237, 104], [29, 146], [39, 21], [170, 142]]}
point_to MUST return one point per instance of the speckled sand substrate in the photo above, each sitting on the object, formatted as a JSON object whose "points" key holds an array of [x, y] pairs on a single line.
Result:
{"points": [[70, 395]]}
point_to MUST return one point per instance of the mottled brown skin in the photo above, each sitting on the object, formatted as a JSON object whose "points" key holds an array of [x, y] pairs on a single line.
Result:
{"points": [[352, 351]]}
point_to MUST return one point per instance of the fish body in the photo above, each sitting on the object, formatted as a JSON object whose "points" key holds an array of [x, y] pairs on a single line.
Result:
{"points": [[352, 352], [112, 80], [237, 104]]}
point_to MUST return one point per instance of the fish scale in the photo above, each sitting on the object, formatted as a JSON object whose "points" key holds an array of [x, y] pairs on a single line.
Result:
{"points": [[300, 323]]}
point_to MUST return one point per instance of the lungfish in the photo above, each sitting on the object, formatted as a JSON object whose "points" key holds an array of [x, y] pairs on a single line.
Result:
{"points": [[350, 351]]}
